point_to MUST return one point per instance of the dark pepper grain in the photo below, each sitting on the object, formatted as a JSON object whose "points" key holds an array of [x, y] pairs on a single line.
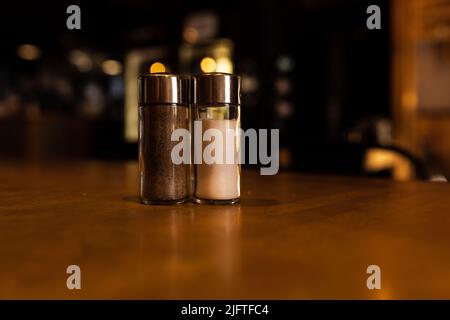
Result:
{"points": [[161, 181]]}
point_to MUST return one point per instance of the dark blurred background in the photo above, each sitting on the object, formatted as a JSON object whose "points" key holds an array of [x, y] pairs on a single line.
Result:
{"points": [[347, 100]]}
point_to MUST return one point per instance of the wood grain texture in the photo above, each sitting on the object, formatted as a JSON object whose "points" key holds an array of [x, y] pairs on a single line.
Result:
{"points": [[292, 237]]}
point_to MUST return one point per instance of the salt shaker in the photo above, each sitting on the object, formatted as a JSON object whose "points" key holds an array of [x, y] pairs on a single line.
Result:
{"points": [[216, 114], [163, 108]]}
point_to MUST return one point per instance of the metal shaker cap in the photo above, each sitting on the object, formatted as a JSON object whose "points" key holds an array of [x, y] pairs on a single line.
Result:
{"points": [[160, 88], [217, 87]]}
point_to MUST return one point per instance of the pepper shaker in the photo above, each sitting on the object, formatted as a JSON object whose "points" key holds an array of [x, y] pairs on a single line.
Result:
{"points": [[163, 108]]}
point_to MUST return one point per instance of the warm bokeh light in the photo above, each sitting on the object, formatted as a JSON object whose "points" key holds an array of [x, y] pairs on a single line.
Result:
{"points": [[81, 60], [157, 67], [208, 64], [286, 158], [409, 100], [224, 64], [283, 86], [284, 109], [28, 52], [190, 35], [112, 67], [377, 159], [249, 83]]}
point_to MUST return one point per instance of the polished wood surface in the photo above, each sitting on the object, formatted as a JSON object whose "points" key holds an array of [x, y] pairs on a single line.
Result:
{"points": [[292, 237]]}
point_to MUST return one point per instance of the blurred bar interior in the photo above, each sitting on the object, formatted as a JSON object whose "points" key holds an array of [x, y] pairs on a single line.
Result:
{"points": [[347, 100]]}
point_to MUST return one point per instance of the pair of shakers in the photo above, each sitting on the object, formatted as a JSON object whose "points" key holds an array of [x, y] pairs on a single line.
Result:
{"points": [[189, 138]]}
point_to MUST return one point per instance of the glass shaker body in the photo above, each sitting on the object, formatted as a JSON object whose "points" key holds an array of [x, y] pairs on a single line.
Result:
{"points": [[216, 139], [163, 108]]}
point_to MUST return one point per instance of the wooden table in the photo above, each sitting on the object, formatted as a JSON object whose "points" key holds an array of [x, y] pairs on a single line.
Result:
{"points": [[292, 237]]}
